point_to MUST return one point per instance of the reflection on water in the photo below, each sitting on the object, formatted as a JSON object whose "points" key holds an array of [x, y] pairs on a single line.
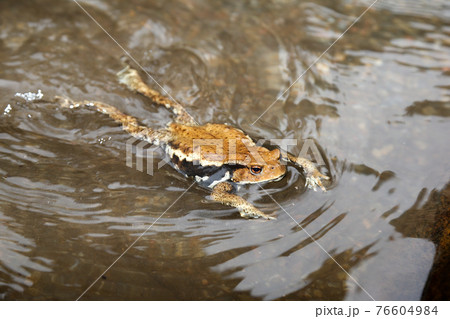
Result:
{"points": [[377, 103]]}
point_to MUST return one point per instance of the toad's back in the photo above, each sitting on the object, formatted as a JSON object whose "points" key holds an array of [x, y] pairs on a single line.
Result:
{"points": [[213, 143]]}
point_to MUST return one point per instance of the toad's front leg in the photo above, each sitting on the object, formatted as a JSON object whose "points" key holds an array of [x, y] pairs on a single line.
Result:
{"points": [[313, 176], [221, 193]]}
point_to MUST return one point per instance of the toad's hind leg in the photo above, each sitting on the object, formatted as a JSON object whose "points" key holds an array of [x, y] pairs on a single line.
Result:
{"points": [[221, 193], [129, 123], [134, 82]]}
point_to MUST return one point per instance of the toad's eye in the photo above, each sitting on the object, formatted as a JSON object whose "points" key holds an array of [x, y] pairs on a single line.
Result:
{"points": [[256, 170]]}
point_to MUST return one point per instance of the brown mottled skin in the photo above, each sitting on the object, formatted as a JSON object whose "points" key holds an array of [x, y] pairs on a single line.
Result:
{"points": [[230, 150], [209, 145]]}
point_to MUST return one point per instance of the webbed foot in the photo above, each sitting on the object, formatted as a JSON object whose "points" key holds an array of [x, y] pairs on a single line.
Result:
{"points": [[66, 102], [130, 78], [314, 179]]}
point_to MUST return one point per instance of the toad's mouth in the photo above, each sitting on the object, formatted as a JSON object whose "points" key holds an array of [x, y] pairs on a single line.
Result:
{"points": [[260, 181]]}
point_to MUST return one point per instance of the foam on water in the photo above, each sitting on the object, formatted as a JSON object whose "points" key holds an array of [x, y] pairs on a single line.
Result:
{"points": [[30, 96]]}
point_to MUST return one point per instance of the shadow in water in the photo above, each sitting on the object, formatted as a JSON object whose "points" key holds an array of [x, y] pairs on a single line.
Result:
{"points": [[430, 218]]}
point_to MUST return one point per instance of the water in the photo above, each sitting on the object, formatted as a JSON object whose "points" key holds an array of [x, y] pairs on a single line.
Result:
{"points": [[377, 103]]}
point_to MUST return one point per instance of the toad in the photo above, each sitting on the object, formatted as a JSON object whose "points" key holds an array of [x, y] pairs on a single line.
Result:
{"points": [[219, 157]]}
